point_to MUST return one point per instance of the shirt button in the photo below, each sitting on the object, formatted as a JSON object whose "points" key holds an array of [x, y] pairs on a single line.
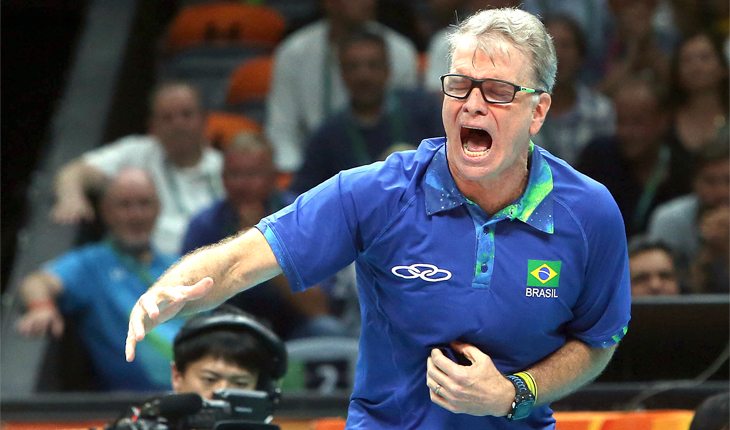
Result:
{"points": [[484, 267]]}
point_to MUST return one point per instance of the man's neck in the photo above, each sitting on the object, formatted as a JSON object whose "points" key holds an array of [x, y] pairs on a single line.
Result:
{"points": [[187, 159], [494, 194], [367, 115]]}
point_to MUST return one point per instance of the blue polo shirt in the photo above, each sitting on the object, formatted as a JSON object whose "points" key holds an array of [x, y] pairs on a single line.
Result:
{"points": [[100, 287], [433, 267]]}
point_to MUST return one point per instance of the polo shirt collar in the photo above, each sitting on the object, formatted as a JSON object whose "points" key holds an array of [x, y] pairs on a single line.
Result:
{"points": [[534, 207]]}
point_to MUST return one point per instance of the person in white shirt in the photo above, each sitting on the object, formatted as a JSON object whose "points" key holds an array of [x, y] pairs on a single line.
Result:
{"points": [[186, 171], [306, 84]]}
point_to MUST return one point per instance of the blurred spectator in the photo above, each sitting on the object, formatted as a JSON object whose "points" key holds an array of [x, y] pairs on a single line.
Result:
{"points": [[713, 413], [439, 57], [185, 169], [709, 271], [676, 222], [98, 284], [700, 91], [651, 264], [248, 177], [306, 85], [635, 48], [636, 164], [375, 118], [577, 114], [594, 19]]}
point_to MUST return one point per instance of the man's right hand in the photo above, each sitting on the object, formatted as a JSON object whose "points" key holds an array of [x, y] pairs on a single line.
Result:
{"points": [[72, 210], [38, 322], [159, 304]]}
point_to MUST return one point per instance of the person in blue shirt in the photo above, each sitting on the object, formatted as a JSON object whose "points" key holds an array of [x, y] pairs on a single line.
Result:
{"points": [[493, 277], [96, 285], [249, 180]]}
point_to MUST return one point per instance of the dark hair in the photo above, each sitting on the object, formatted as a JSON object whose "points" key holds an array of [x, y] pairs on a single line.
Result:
{"points": [[575, 29], [236, 337], [641, 243], [364, 33], [679, 95], [712, 413]]}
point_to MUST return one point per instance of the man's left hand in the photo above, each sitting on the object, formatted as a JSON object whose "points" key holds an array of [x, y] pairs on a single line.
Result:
{"points": [[478, 389]]}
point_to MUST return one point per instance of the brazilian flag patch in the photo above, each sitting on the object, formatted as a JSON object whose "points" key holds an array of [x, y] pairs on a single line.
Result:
{"points": [[543, 273]]}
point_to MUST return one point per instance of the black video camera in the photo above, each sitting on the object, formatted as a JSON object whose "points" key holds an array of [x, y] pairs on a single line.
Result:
{"points": [[228, 409]]}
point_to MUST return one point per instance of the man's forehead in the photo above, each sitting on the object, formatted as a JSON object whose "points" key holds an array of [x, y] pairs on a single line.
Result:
{"points": [[492, 53]]}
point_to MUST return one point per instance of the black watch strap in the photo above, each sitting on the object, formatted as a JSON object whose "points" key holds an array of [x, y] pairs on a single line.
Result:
{"points": [[524, 399]]}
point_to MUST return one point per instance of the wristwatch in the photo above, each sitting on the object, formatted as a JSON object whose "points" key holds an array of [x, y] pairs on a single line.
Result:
{"points": [[524, 399]]}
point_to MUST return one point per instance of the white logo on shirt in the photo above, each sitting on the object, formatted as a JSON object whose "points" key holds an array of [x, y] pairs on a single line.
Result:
{"points": [[427, 272]]}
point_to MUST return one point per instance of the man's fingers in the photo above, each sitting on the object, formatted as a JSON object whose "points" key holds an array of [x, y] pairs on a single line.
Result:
{"points": [[129, 346], [471, 352]]}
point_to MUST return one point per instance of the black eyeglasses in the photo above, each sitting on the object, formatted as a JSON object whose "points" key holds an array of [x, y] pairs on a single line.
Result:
{"points": [[493, 90]]}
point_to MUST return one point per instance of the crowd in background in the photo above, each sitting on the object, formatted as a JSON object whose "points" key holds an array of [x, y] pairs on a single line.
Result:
{"points": [[640, 104]]}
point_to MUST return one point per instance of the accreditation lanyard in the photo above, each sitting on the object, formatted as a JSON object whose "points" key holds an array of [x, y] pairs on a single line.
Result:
{"points": [[396, 124], [131, 264], [660, 171], [174, 188]]}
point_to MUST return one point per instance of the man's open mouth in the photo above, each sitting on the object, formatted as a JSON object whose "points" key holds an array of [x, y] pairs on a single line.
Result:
{"points": [[475, 141]]}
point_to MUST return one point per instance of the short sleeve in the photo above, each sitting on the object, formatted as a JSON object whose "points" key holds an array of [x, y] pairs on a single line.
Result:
{"points": [[314, 237], [69, 268], [603, 310]]}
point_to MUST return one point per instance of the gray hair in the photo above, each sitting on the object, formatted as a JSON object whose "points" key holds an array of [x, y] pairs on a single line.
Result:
{"points": [[519, 28]]}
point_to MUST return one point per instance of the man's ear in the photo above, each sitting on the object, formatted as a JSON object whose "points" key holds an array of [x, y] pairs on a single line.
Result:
{"points": [[539, 112]]}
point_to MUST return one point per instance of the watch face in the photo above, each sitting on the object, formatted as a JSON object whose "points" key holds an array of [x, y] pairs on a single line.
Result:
{"points": [[522, 408]]}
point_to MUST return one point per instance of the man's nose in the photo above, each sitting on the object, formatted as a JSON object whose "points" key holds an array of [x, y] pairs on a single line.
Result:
{"points": [[475, 103]]}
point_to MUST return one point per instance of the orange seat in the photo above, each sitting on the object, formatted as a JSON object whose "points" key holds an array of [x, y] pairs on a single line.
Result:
{"points": [[580, 420], [328, 424], [225, 22], [671, 419], [577, 424], [250, 81], [628, 421], [222, 127]]}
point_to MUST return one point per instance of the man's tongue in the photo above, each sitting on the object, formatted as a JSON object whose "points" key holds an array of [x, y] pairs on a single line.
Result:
{"points": [[475, 140]]}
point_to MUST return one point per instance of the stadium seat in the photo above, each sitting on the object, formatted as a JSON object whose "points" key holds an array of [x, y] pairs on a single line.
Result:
{"points": [[335, 423], [628, 421], [222, 127], [249, 85], [678, 419], [322, 365], [224, 23]]}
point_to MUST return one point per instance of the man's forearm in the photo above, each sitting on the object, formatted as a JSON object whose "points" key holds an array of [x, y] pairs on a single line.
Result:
{"points": [[234, 264], [567, 369], [76, 178]]}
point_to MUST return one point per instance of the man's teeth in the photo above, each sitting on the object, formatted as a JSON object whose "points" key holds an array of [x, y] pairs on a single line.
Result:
{"points": [[474, 153]]}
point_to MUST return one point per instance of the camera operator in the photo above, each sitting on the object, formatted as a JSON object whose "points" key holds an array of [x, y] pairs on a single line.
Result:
{"points": [[225, 370]]}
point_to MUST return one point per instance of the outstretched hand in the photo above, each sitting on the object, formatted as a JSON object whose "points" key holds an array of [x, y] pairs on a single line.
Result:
{"points": [[477, 389], [69, 210], [157, 305]]}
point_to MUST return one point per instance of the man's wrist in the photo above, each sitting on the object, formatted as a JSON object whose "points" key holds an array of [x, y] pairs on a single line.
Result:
{"points": [[524, 398]]}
